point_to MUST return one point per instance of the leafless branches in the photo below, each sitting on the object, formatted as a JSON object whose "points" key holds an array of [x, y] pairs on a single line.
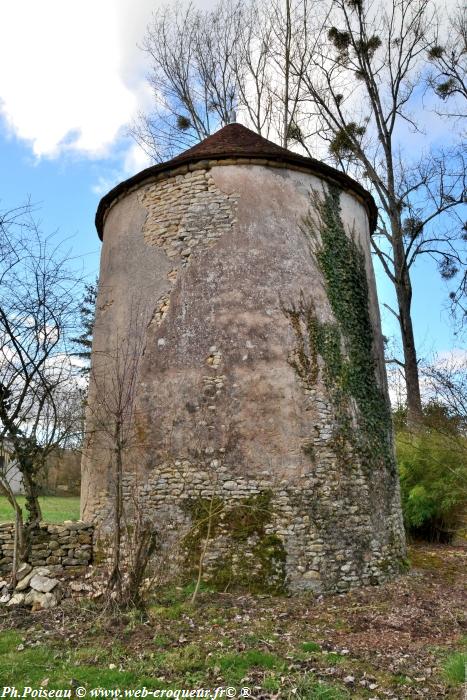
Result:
{"points": [[446, 383], [39, 398], [191, 76], [363, 79], [346, 76], [241, 56], [111, 422], [448, 57]]}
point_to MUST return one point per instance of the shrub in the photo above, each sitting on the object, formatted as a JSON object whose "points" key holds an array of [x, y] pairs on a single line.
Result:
{"points": [[433, 474]]}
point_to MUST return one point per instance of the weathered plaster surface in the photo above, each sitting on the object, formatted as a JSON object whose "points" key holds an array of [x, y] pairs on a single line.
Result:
{"points": [[213, 258]]}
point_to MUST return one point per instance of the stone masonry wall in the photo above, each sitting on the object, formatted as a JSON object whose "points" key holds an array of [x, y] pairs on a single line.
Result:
{"points": [[239, 456], [321, 534], [185, 212], [67, 545]]}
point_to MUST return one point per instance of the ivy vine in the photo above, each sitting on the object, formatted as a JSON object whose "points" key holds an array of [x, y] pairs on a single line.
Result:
{"points": [[346, 345]]}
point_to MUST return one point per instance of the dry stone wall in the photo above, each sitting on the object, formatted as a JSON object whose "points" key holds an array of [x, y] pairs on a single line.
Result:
{"points": [[66, 545], [186, 211]]}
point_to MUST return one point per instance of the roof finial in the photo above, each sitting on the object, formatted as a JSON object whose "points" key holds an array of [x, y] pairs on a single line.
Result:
{"points": [[232, 117]]}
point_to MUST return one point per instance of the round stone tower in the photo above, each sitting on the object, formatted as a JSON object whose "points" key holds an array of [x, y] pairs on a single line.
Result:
{"points": [[237, 307]]}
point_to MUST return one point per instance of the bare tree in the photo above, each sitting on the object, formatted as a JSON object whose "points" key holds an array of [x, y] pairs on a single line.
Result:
{"points": [[38, 309], [445, 382], [295, 29], [6, 472], [448, 57], [362, 79], [140, 546], [252, 67], [347, 74], [458, 297], [191, 76], [111, 423], [237, 57], [447, 77]]}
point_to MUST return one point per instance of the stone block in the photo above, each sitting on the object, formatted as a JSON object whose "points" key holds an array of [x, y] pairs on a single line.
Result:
{"points": [[43, 584]]}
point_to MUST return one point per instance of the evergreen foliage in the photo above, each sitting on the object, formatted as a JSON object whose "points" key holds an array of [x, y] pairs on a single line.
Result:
{"points": [[433, 474], [87, 310], [347, 347]]}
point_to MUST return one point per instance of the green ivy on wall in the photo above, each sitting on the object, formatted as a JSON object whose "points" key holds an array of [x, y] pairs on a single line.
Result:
{"points": [[346, 345]]}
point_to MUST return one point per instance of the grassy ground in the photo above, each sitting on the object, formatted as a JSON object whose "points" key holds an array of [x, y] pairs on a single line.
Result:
{"points": [[402, 640], [55, 509]]}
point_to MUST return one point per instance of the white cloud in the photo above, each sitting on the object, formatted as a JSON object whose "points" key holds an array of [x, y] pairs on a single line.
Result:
{"points": [[70, 72], [105, 183], [72, 77], [133, 159], [452, 357]]}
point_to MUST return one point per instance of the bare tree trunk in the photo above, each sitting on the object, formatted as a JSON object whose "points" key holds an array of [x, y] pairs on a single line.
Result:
{"points": [[202, 555], [31, 489], [142, 542], [403, 287], [115, 579], [18, 544], [19, 540], [414, 402], [34, 511], [288, 34]]}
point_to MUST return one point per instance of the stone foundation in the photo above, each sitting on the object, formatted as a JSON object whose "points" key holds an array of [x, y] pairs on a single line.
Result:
{"points": [[321, 534], [67, 545]]}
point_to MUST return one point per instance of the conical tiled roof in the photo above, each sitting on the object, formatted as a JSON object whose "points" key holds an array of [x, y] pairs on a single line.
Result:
{"points": [[236, 141]]}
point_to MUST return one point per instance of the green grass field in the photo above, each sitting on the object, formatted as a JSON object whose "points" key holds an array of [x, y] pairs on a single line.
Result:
{"points": [[55, 509]]}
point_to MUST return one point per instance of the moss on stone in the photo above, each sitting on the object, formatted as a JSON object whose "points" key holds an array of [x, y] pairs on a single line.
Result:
{"points": [[267, 575], [403, 564], [99, 556], [249, 517], [309, 450], [201, 511], [270, 552], [244, 524]]}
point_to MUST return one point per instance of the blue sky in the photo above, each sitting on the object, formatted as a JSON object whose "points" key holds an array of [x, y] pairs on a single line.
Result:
{"points": [[65, 103]]}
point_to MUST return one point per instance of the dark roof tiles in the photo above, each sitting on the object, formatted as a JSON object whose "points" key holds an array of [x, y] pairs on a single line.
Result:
{"points": [[234, 138], [236, 141]]}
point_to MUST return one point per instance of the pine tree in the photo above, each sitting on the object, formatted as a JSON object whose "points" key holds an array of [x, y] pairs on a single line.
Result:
{"points": [[87, 311]]}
